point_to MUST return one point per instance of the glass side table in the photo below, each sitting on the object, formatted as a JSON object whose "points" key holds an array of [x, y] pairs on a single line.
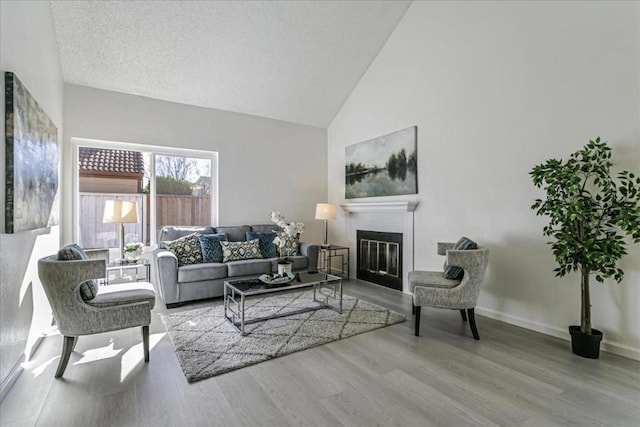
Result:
{"points": [[335, 256], [123, 272]]}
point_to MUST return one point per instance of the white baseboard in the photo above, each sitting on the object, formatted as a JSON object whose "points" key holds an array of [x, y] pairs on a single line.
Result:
{"points": [[11, 378], [611, 347], [17, 369]]}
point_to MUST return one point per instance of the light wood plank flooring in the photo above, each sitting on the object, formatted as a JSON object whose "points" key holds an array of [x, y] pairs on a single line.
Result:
{"points": [[388, 377]]}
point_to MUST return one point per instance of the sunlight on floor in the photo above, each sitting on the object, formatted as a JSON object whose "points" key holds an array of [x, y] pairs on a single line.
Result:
{"points": [[135, 356], [98, 354], [38, 370]]}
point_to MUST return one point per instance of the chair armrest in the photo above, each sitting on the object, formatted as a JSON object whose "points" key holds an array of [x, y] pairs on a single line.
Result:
{"points": [[97, 254], [167, 275], [311, 251], [443, 247], [474, 261]]}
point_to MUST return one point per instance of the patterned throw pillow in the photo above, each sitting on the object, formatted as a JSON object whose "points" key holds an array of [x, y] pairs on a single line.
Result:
{"points": [[291, 245], [451, 271], [235, 251], [187, 249], [267, 248], [210, 245], [73, 252]]}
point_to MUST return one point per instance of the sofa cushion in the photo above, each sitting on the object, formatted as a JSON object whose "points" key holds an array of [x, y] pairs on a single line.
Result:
{"points": [[290, 245], [235, 251], [267, 248], [73, 252], [199, 272], [264, 228], [454, 272], [211, 248], [234, 233], [248, 267], [187, 249], [172, 232]]}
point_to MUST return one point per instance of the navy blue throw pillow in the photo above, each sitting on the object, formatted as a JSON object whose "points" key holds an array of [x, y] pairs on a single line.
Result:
{"points": [[267, 248], [210, 245]]}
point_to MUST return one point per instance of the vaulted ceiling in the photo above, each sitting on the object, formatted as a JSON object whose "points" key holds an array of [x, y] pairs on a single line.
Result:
{"points": [[296, 61]]}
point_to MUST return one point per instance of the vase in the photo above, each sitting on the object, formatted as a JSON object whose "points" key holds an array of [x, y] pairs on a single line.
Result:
{"points": [[284, 268], [132, 256]]}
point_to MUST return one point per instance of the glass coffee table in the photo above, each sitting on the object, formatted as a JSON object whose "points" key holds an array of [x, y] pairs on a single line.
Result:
{"points": [[326, 288]]}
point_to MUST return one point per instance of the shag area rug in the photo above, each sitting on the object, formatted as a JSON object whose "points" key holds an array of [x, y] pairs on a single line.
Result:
{"points": [[207, 345]]}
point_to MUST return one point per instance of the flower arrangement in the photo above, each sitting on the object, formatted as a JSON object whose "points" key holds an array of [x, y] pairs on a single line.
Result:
{"points": [[291, 229], [133, 247]]}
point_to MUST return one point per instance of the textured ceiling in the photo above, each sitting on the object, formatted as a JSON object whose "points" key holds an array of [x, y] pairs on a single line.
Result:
{"points": [[294, 61]]}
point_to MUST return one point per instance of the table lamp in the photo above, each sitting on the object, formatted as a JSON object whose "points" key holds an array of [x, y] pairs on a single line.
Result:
{"points": [[120, 212], [325, 211]]}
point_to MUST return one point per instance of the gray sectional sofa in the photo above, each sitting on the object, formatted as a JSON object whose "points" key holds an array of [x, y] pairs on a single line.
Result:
{"points": [[206, 280]]}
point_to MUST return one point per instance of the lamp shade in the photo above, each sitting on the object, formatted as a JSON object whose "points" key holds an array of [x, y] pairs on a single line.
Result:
{"points": [[325, 211], [120, 211]]}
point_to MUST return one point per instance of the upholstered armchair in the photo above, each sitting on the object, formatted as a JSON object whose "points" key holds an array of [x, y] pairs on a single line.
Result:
{"points": [[434, 289], [111, 308]]}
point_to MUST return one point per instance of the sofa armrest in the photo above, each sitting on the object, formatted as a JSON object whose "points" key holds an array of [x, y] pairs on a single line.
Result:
{"points": [[311, 251], [167, 275]]}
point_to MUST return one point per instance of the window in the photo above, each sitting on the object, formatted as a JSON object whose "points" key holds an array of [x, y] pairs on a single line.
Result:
{"points": [[169, 186]]}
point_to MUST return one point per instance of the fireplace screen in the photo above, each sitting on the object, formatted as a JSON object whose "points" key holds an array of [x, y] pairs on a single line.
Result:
{"points": [[380, 258]]}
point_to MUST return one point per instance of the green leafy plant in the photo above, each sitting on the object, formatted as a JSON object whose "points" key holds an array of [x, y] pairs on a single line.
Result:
{"points": [[589, 213]]}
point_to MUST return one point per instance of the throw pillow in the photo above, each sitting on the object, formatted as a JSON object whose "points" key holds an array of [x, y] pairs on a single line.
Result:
{"points": [[187, 249], [210, 245], [73, 252], [267, 248], [454, 272], [290, 246], [235, 251]]}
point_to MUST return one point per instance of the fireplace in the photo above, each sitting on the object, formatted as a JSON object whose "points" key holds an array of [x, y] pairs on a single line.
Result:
{"points": [[379, 258]]}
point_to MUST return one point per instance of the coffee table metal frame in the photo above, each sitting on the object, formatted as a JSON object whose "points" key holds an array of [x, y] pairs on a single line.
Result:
{"points": [[327, 287]]}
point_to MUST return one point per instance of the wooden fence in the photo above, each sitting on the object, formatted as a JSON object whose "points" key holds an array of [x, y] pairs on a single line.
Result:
{"points": [[182, 210], [170, 210]]}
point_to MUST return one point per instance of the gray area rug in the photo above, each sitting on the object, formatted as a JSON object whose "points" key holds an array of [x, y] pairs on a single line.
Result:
{"points": [[207, 345]]}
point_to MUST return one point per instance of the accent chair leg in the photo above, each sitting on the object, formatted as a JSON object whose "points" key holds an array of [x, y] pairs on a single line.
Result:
{"points": [[472, 322], [75, 341], [145, 342], [464, 315], [417, 328], [67, 347], [413, 309]]}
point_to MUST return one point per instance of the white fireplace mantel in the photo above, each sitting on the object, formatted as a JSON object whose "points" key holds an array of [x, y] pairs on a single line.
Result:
{"points": [[391, 217], [380, 207]]}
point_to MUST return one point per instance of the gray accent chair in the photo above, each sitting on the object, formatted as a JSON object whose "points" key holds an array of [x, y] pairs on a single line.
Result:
{"points": [[114, 307], [432, 289]]}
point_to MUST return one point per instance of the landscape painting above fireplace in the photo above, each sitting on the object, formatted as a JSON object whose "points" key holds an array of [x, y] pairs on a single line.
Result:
{"points": [[382, 166]]}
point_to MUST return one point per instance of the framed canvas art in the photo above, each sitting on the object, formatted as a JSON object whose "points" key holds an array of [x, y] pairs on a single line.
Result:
{"points": [[31, 170], [382, 166]]}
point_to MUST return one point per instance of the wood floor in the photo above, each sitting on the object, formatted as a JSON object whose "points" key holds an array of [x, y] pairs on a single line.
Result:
{"points": [[388, 377]]}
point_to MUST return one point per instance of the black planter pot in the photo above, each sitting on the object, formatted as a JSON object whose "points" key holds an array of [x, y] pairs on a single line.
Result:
{"points": [[585, 345]]}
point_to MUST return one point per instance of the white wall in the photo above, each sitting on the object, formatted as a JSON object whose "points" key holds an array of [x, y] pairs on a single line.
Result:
{"points": [[495, 88], [28, 49], [264, 164]]}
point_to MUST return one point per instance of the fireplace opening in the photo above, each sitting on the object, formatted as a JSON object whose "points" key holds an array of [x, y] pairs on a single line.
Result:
{"points": [[379, 258]]}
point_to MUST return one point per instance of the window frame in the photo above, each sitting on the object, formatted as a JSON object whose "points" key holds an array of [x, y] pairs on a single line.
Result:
{"points": [[154, 150]]}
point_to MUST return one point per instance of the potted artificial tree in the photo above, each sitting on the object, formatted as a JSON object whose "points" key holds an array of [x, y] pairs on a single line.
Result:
{"points": [[589, 213]]}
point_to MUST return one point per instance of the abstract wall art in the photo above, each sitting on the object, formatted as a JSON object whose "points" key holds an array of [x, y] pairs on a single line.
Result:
{"points": [[382, 166], [31, 170]]}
